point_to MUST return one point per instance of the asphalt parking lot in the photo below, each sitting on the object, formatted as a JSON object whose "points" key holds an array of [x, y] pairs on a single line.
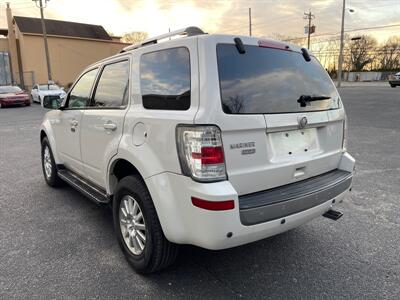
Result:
{"points": [[55, 243]]}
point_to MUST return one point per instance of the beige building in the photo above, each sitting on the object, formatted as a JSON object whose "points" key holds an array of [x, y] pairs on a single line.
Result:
{"points": [[72, 47]]}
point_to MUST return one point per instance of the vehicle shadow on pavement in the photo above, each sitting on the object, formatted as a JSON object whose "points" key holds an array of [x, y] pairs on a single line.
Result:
{"points": [[281, 265]]}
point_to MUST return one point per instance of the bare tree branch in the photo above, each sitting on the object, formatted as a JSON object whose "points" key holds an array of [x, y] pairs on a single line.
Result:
{"points": [[134, 37]]}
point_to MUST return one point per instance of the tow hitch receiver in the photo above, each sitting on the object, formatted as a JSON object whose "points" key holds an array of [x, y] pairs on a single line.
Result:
{"points": [[333, 214]]}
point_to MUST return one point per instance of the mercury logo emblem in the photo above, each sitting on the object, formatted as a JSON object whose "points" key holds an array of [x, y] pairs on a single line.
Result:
{"points": [[303, 122]]}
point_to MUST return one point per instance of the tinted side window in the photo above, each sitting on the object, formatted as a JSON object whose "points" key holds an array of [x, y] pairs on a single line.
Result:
{"points": [[112, 89], [165, 79], [80, 94]]}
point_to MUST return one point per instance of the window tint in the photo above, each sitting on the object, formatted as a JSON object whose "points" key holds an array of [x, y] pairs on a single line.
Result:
{"points": [[266, 80], [80, 94], [165, 79], [112, 89]]}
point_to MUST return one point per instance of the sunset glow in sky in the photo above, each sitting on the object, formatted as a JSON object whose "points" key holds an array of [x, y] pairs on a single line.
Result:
{"points": [[269, 17]]}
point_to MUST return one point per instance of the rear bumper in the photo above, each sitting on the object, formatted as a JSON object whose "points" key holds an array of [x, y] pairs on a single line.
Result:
{"points": [[184, 223], [293, 198]]}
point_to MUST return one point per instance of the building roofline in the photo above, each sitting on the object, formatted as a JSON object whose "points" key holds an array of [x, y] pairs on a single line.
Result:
{"points": [[75, 38], [61, 28], [47, 19]]}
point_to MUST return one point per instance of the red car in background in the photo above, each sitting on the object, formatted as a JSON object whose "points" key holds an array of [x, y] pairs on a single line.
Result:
{"points": [[13, 95]]}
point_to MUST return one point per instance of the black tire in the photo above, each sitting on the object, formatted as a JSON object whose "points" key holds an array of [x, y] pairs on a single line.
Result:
{"points": [[158, 252], [53, 180], [392, 85]]}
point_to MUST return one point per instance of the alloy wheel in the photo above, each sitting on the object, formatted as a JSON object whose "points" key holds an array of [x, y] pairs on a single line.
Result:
{"points": [[132, 224], [47, 161]]}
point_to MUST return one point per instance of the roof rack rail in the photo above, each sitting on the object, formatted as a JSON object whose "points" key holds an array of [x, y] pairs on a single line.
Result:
{"points": [[188, 31]]}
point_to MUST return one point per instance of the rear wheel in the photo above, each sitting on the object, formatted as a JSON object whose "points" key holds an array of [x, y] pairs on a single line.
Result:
{"points": [[138, 228], [48, 165]]}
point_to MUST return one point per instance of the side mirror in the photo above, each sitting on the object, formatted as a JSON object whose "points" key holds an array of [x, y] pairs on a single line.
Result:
{"points": [[52, 102]]}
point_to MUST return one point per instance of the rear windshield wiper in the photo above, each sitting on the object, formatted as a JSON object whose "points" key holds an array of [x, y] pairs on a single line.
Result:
{"points": [[304, 99]]}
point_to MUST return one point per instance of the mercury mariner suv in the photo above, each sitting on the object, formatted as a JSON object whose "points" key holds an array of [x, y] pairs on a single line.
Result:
{"points": [[209, 140]]}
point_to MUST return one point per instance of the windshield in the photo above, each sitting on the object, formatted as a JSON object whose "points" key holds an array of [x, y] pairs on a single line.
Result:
{"points": [[9, 89], [266, 80], [46, 87]]}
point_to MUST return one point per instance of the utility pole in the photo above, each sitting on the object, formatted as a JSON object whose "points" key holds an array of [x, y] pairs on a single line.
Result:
{"points": [[250, 21], [46, 47], [340, 63], [310, 17]]}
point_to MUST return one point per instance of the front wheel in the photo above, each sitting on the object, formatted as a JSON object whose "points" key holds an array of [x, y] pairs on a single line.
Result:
{"points": [[392, 85], [138, 228], [48, 165]]}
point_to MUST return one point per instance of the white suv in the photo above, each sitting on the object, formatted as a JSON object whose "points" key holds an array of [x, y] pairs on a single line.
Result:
{"points": [[209, 140]]}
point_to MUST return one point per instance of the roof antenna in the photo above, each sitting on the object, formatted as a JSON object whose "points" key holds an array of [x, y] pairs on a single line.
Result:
{"points": [[239, 45]]}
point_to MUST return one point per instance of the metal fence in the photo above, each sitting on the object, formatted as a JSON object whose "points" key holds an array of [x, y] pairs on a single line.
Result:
{"points": [[29, 80]]}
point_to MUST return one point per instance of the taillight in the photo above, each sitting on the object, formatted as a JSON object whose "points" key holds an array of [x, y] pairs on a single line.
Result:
{"points": [[201, 153], [273, 45], [344, 140]]}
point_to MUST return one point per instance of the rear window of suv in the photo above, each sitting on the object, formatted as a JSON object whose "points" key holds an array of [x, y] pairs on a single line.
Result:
{"points": [[267, 80]]}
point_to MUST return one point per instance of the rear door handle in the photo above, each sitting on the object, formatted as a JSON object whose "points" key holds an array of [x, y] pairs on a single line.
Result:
{"points": [[74, 123], [110, 126]]}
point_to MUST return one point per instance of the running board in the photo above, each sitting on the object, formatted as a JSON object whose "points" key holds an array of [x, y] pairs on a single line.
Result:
{"points": [[86, 188]]}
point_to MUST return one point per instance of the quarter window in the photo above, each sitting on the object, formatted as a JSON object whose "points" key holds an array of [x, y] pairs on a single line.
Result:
{"points": [[79, 97], [165, 79], [112, 89]]}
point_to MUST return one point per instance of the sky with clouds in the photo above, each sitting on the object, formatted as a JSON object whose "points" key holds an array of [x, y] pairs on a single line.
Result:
{"points": [[269, 18]]}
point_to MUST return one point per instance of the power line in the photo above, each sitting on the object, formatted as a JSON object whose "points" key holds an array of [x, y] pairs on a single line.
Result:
{"points": [[308, 16], [324, 12], [46, 47], [349, 30], [250, 21]]}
